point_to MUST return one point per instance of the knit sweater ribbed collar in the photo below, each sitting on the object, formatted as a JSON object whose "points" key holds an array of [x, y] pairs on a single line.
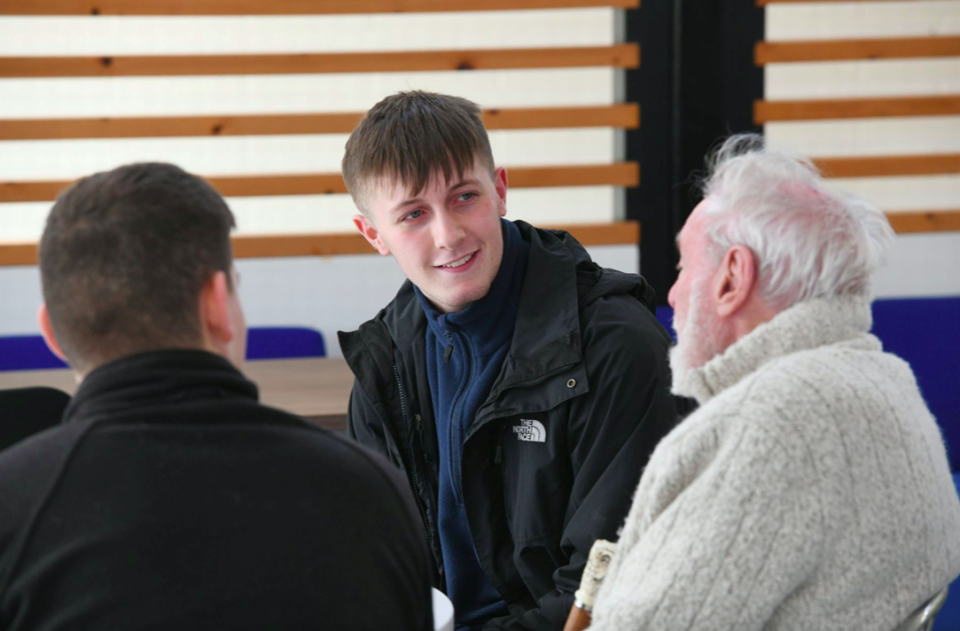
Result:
{"points": [[804, 326]]}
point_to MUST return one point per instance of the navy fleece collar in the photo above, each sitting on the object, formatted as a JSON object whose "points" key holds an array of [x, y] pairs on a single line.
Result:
{"points": [[483, 320]]}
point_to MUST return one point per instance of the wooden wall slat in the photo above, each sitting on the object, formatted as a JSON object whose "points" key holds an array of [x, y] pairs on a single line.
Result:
{"points": [[623, 116], [617, 174], [881, 166], [925, 221], [875, 107], [853, 49], [333, 244], [283, 7], [617, 56]]}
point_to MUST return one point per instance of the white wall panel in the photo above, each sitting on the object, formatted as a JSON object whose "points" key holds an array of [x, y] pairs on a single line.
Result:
{"points": [[67, 159], [334, 213], [921, 265], [934, 192], [851, 79], [869, 136], [264, 94], [112, 35], [841, 20]]}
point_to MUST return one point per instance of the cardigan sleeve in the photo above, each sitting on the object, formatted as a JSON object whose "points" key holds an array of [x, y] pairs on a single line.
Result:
{"points": [[740, 534]]}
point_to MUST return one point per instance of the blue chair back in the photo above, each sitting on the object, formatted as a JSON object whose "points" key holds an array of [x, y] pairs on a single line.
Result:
{"points": [[30, 352], [665, 317], [26, 352], [280, 342], [926, 333]]}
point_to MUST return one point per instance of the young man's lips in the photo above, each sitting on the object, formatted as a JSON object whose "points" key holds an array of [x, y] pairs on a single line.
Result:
{"points": [[459, 265]]}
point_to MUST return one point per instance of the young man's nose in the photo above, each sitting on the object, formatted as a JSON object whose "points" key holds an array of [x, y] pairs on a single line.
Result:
{"points": [[447, 231]]}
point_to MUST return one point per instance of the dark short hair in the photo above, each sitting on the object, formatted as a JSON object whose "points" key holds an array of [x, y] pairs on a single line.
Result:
{"points": [[408, 136], [123, 258]]}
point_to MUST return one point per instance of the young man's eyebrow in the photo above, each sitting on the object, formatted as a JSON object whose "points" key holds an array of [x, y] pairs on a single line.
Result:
{"points": [[405, 203], [419, 200]]}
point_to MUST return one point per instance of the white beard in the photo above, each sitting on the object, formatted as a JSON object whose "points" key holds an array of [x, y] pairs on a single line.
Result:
{"points": [[697, 339]]}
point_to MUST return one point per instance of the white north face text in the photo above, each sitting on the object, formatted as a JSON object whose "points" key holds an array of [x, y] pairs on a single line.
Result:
{"points": [[530, 431]]}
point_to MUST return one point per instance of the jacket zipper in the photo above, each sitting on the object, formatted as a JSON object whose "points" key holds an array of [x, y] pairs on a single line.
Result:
{"points": [[411, 455], [456, 435]]}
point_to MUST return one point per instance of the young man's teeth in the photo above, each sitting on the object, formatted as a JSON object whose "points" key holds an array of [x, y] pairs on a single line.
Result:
{"points": [[460, 262]]}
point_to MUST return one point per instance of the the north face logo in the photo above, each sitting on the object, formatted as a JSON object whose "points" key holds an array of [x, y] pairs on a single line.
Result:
{"points": [[530, 431]]}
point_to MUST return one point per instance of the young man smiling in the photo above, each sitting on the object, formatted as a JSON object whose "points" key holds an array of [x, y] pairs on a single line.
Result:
{"points": [[519, 386]]}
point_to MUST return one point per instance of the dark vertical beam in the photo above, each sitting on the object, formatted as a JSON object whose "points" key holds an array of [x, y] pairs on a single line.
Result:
{"points": [[718, 83], [651, 145], [696, 85]]}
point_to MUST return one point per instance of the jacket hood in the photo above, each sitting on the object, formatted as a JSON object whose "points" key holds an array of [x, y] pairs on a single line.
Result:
{"points": [[607, 282]]}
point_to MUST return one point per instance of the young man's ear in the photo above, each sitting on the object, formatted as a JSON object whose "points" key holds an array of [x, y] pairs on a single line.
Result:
{"points": [[370, 233], [46, 330], [500, 181], [736, 279], [215, 321]]}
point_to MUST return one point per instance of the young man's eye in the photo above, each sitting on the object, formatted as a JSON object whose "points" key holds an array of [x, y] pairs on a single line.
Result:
{"points": [[412, 215], [465, 197]]}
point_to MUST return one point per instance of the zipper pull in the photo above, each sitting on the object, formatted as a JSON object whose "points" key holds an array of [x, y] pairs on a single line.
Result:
{"points": [[423, 448], [447, 352], [498, 458]]}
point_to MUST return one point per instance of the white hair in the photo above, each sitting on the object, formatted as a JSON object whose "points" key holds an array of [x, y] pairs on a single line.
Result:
{"points": [[810, 240]]}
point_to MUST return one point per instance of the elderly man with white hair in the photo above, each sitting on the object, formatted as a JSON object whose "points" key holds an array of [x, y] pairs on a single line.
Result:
{"points": [[811, 489]]}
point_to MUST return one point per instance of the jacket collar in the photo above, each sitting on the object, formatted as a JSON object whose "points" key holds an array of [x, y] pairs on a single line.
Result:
{"points": [[804, 326], [158, 377], [546, 336]]}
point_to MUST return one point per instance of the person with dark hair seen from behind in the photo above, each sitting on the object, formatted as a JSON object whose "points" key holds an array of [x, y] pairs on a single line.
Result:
{"points": [[811, 489], [170, 498], [520, 386]]}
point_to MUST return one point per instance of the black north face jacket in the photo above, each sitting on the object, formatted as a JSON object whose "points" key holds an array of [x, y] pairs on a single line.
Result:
{"points": [[553, 456]]}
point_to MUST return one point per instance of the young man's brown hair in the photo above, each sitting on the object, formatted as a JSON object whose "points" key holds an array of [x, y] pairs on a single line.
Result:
{"points": [[123, 259], [408, 136]]}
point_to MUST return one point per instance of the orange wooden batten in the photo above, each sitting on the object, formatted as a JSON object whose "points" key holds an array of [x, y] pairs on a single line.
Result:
{"points": [[885, 166], [874, 107], [617, 174], [617, 56], [622, 116], [853, 49], [333, 244]]}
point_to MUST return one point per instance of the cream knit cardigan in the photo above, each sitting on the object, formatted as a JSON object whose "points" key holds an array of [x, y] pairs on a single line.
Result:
{"points": [[809, 491]]}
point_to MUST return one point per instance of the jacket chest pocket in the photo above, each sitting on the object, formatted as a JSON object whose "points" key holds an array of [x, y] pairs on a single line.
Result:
{"points": [[536, 479]]}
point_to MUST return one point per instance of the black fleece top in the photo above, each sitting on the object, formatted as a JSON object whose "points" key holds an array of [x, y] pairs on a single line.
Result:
{"points": [[170, 499]]}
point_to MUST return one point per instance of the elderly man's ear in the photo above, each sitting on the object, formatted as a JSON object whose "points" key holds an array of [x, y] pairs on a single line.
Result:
{"points": [[736, 280]]}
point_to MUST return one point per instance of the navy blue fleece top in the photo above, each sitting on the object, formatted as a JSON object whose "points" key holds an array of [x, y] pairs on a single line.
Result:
{"points": [[465, 351]]}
